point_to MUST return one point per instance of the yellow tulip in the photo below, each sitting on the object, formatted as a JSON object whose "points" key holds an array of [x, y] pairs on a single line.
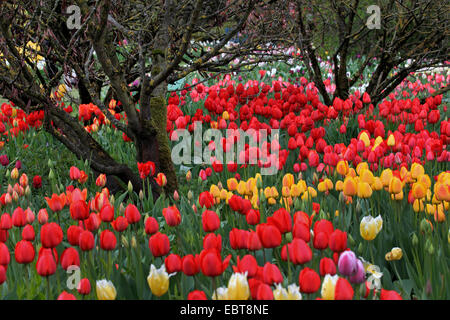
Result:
{"points": [[395, 185], [292, 293], [361, 166], [350, 187], [370, 227], [386, 176], [365, 138], [295, 190], [105, 290], [225, 115], [342, 167], [312, 192], [439, 215], [285, 191], [418, 205], [418, 190], [351, 173], [328, 286], [339, 185], [238, 288], [232, 184], [442, 191], [14, 174], [364, 190], [397, 196], [377, 184], [288, 180], [416, 170], [366, 176], [395, 254], [214, 190], [302, 185], [158, 280], [242, 188], [430, 209], [425, 180], [391, 140]]}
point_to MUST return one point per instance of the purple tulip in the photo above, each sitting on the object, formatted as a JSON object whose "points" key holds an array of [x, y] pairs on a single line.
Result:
{"points": [[347, 263], [4, 160], [359, 275]]}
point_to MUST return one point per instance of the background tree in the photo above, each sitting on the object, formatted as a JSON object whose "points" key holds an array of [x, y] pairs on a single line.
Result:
{"points": [[413, 34], [165, 43]]}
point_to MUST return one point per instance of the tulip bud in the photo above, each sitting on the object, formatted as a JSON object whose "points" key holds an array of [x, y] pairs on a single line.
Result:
{"points": [[121, 208], [112, 199], [141, 195], [425, 226], [133, 242], [350, 240], [124, 241], [8, 173], [15, 196], [176, 196], [14, 174], [430, 249], [27, 191], [130, 187], [188, 175], [358, 208], [360, 248], [190, 195], [51, 174], [297, 204], [415, 240], [50, 163], [448, 236]]}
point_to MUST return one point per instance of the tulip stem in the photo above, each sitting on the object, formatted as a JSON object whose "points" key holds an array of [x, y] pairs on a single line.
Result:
{"points": [[48, 287], [214, 285]]}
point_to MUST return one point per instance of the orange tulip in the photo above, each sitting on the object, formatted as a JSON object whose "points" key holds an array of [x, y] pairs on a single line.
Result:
{"points": [[349, 187], [56, 203]]}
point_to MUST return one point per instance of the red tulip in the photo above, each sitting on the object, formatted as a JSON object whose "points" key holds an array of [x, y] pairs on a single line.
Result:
{"points": [[151, 225], [4, 254], [247, 264], [159, 244], [281, 219], [253, 242], [301, 231], [107, 213], [298, 250], [264, 292], [5, 222], [56, 203], [66, 296], [211, 263], [51, 235], [343, 290], [28, 233], [87, 241], [210, 221], [173, 263], [24, 252], [327, 266], [2, 274], [172, 216], [190, 265], [46, 264], [84, 286], [320, 241], [132, 214], [253, 217], [79, 210], [212, 241], [37, 182], [70, 257], [73, 235], [74, 173], [120, 224], [93, 222], [269, 235], [271, 274], [206, 199], [197, 295], [238, 238], [338, 241], [42, 216], [108, 240], [235, 203], [19, 218], [309, 280], [390, 295]]}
